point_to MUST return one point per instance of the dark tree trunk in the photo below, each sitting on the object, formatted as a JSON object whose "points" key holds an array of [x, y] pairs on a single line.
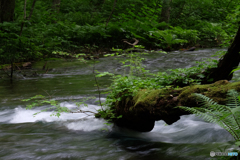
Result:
{"points": [[226, 64], [165, 14], [56, 5], [7, 10]]}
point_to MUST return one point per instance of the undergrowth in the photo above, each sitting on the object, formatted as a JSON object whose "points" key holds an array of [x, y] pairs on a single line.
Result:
{"points": [[139, 78]]}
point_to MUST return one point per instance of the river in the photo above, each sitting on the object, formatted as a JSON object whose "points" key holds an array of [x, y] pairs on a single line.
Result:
{"points": [[78, 136]]}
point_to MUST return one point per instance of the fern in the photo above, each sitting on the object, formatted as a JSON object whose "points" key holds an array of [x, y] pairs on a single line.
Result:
{"points": [[227, 116]]}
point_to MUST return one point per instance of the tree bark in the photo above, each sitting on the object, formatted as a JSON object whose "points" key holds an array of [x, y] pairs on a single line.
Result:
{"points": [[165, 14], [7, 10], [226, 64]]}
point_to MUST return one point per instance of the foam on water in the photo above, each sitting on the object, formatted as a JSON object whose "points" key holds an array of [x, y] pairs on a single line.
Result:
{"points": [[73, 121], [185, 123], [90, 124], [189, 129], [23, 116]]}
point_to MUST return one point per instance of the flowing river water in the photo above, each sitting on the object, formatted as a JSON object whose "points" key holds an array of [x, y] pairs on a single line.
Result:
{"points": [[77, 136]]}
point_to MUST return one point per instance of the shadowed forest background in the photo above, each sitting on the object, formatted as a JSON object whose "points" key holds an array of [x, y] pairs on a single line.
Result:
{"points": [[33, 29]]}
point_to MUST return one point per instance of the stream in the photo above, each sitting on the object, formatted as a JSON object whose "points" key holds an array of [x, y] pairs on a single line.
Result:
{"points": [[77, 136]]}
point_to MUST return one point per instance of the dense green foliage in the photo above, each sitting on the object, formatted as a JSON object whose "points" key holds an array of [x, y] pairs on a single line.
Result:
{"points": [[94, 26]]}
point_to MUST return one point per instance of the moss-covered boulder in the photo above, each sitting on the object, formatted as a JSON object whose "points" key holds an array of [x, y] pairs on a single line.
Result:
{"points": [[147, 106]]}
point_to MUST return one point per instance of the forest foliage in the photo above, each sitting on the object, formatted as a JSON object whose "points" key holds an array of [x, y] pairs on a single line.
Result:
{"points": [[82, 26]]}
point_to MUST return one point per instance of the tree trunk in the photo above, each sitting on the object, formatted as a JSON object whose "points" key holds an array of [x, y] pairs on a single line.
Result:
{"points": [[7, 10], [165, 14], [226, 64], [56, 5]]}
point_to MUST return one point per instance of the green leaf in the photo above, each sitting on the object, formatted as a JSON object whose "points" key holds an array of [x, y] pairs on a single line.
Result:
{"points": [[237, 143]]}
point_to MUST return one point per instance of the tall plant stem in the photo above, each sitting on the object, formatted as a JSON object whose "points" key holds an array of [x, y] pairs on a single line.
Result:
{"points": [[11, 70], [99, 92]]}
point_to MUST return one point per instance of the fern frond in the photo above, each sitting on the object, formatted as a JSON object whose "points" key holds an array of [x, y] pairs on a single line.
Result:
{"points": [[204, 100], [201, 112], [232, 97], [234, 104], [226, 116]]}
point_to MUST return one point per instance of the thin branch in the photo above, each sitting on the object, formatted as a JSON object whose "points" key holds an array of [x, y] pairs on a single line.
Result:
{"points": [[24, 17], [48, 94], [31, 12], [54, 93], [115, 2], [30, 15], [86, 111], [46, 71], [44, 66], [18, 68], [11, 69], [25, 6], [132, 44], [81, 111]]}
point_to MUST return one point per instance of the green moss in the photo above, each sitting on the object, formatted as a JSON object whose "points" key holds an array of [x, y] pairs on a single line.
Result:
{"points": [[146, 97], [217, 91], [162, 102]]}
